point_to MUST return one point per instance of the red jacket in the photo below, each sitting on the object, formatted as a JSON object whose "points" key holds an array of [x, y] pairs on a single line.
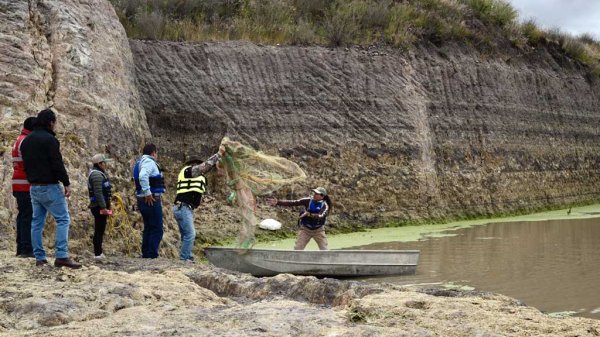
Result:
{"points": [[19, 178]]}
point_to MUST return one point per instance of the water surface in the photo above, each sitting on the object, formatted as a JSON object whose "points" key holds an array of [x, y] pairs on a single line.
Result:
{"points": [[551, 265]]}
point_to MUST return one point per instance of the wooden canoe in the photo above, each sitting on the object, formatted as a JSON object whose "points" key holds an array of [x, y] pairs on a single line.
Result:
{"points": [[332, 263]]}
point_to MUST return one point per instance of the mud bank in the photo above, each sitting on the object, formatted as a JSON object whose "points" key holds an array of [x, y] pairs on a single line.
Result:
{"points": [[135, 297], [429, 133]]}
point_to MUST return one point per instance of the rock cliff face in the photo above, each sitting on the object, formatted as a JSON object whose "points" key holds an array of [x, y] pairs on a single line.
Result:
{"points": [[72, 55], [394, 136]]}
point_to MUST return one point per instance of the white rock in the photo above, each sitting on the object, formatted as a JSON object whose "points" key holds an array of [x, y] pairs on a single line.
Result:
{"points": [[270, 224]]}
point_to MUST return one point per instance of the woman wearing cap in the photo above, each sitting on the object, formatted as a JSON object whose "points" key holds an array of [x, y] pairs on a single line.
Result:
{"points": [[312, 219], [99, 191]]}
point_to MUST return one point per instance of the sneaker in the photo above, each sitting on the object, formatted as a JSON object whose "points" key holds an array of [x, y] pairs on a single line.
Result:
{"points": [[66, 262], [41, 263], [100, 257]]}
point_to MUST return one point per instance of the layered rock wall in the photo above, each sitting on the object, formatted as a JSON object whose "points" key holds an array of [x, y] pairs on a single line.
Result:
{"points": [[72, 55], [394, 136]]}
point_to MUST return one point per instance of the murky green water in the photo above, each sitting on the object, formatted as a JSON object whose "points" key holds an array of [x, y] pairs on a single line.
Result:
{"points": [[551, 265], [550, 260]]}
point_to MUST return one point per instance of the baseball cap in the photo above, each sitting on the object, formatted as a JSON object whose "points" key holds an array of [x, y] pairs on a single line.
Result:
{"points": [[98, 158], [320, 190]]}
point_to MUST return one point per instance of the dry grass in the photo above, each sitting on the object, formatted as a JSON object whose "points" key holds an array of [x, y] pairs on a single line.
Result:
{"points": [[495, 12], [343, 22], [584, 48]]}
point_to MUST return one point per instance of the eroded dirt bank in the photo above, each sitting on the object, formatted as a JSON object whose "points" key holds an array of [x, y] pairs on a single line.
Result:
{"points": [[395, 135], [137, 297]]}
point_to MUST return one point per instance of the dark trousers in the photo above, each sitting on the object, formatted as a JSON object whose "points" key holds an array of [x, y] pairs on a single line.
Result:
{"points": [[153, 227], [24, 222], [99, 228]]}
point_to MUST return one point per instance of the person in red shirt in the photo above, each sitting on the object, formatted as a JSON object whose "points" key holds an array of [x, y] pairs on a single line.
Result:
{"points": [[20, 190]]}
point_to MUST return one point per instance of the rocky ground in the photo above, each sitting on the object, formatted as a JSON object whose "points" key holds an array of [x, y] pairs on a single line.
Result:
{"points": [[135, 297]]}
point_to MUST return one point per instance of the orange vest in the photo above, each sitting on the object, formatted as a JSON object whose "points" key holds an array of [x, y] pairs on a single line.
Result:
{"points": [[19, 178]]}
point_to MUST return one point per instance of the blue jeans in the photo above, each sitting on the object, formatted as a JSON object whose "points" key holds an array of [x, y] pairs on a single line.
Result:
{"points": [[185, 219], [44, 199], [153, 227]]}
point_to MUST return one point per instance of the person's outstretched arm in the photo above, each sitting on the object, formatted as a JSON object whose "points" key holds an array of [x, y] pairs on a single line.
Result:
{"points": [[206, 166]]}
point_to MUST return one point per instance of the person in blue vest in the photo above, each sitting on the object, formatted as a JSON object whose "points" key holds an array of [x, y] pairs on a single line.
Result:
{"points": [[191, 186], [99, 190], [312, 218], [149, 188]]}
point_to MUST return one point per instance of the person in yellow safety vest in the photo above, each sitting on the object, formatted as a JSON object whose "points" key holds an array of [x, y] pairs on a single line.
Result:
{"points": [[191, 186]]}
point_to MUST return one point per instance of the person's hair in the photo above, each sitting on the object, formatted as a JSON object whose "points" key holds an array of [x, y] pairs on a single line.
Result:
{"points": [[149, 149], [45, 117], [97, 167], [327, 199], [29, 123], [193, 161]]}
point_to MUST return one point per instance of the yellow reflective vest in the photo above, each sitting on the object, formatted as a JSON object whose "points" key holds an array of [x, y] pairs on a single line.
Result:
{"points": [[184, 185]]}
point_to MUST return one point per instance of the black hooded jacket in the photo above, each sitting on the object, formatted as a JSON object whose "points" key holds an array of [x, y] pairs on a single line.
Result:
{"points": [[42, 159]]}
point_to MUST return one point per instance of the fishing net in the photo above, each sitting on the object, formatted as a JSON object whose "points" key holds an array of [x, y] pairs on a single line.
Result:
{"points": [[120, 227], [121, 231], [250, 173]]}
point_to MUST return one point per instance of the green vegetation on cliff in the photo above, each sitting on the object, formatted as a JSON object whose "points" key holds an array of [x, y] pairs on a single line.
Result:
{"points": [[485, 24]]}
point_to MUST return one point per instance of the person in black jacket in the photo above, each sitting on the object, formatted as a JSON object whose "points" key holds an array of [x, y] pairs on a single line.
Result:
{"points": [[45, 169]]}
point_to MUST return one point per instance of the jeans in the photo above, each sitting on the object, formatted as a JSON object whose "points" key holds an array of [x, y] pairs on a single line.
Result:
{"points": [[153, 227], [99, 228], [23, 223], [185, 219], [44, 199]]}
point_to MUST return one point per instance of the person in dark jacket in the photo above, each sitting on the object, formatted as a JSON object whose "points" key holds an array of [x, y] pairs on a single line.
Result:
{"points": [[312, 218], [191, 186], [45, 170], [20, 189], [99, 190]]}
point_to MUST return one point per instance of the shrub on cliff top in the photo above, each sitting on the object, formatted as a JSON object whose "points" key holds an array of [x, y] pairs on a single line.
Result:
{"points": [[342, 22], [531, 31], [495, 12], [334, 22]]}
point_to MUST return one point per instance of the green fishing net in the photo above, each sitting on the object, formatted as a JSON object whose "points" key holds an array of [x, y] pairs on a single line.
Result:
{"points": [[251, 173]]}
